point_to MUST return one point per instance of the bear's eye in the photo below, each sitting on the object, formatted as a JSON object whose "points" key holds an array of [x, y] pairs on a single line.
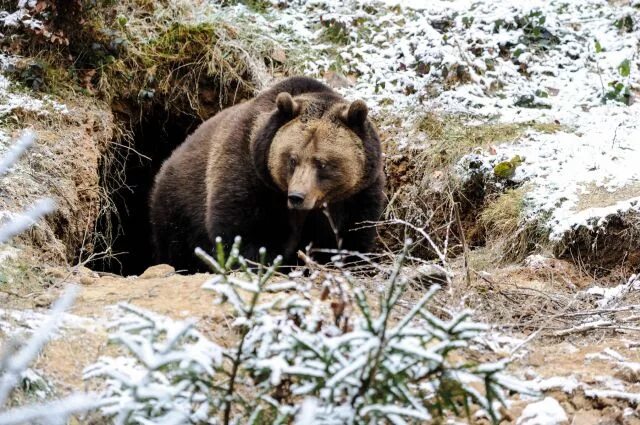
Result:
{"points": [[293, 162], [320, 164]]}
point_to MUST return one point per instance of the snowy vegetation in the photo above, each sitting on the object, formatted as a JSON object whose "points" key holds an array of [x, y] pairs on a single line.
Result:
{"points": [[338, 356], [333, 357], [538, 100], [16, 356]]}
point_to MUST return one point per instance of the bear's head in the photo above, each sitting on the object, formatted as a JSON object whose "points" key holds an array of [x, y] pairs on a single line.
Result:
{"points": [[324, 149]]}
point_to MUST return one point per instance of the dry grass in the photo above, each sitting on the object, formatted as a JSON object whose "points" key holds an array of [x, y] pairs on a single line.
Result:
{"points": [[416, 195], [543, 300], [502, 216], [63, 164], [186, 59], [190, 57], [424, 189], [168, 55], [505, 229], [451, 136]]}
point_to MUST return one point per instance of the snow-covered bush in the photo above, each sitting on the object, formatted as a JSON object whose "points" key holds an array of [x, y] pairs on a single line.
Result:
{"points": [[328, 355], [16, 355], [171, 376]]}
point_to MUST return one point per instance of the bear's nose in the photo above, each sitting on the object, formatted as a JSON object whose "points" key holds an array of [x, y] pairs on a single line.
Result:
{"points": [[296, 199]]}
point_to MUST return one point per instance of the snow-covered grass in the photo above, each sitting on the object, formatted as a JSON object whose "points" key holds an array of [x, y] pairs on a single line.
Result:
{"points": [[572, 62], [14, 99], [609, 297], [19, 223], [491, 62]]}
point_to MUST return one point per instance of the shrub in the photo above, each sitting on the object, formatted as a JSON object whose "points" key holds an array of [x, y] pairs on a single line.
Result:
{"points": [[327, 356]]}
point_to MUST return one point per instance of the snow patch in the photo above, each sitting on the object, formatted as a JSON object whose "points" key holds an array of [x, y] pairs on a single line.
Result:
{"points": [[16, 321], [510, 61], [567, 384], [620, 395], [545, 412], [612, 296]]}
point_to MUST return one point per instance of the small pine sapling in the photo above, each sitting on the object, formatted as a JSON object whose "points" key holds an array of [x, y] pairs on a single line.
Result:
{"points": [[321, 354]]}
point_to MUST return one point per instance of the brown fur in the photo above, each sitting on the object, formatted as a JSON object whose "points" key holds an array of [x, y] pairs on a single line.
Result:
{"points": [[232, 177]]}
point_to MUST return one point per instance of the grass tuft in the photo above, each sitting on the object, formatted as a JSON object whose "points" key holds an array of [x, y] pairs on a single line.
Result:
{"points": [[502, 216], [452, 136]]}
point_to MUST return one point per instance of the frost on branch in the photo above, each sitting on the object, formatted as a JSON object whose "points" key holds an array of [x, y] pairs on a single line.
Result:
{"points": [[301, 355], [169, 377], [15, 361], [15, 356], [38, 209]]}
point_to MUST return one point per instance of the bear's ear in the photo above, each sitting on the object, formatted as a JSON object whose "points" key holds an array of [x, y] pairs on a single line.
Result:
{"points": [[287, 105], [356, 114]]}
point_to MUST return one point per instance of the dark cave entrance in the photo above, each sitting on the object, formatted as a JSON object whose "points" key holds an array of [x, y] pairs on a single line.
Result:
{"points": [[156, 133]]}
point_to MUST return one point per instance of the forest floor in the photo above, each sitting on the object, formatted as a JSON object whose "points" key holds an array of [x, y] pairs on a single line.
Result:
{"points": [[593, 375], [525, 112]]}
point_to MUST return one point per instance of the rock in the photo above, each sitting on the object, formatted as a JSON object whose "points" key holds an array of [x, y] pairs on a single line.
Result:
{"points": [[279, 55], [587, 417], [537, 261], [158, 271], [84, 271], [86, 280], [337, 80], [545, 412], [44, 300]]}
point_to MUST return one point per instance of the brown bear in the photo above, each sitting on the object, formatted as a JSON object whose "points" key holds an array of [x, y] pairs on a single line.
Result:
{"points": [[265, 170]]}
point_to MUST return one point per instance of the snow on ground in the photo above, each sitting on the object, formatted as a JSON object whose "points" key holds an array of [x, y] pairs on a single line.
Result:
{"points": [[612, 296], [510, 61], [545, 412], [573, 62], [13, 98], [15, 321]]}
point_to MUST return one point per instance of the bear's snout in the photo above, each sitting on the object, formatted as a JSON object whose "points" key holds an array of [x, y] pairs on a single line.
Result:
{"points": [[296, 200]]}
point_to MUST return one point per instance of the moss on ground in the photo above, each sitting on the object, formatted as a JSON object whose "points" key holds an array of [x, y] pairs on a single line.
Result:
{"points": [[175, 66], [144, 54]]}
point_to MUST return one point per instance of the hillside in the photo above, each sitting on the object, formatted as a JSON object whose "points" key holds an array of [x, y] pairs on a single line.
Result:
{"points": [[510, 132]]}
